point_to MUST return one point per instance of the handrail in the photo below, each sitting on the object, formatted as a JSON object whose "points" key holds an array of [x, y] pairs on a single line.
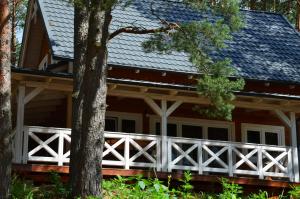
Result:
{"points": [[127, 150]]}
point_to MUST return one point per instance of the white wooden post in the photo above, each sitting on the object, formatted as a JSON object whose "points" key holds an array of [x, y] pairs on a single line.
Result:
{"points": [[294, 146], [164, 112], [230, 161], [164, 126], [20, 123], [127, 152], [260, 163], [61, 148], [25, 146], [291, 123], [200, 159]]}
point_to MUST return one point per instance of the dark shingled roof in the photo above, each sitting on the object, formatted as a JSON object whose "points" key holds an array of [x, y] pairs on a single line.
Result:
{"points": [[268, 48]]}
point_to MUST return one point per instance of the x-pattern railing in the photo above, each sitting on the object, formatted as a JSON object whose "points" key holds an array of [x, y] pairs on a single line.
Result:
{"points": [[125, 150], [54, 151], [227, 157], [128, 148]]}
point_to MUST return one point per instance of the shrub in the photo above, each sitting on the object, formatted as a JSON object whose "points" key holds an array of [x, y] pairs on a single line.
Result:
{"points": [[22, 189]]}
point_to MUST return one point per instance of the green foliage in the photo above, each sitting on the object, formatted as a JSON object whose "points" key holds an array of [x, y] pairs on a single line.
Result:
{"points": [[230, 190], [295, 192], [200, 40], [21, 189], [59, 188], [260, 195], [137, 187]]}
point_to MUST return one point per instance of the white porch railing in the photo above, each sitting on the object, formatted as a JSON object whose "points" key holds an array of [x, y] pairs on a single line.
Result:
{"points": [[52, 145]]}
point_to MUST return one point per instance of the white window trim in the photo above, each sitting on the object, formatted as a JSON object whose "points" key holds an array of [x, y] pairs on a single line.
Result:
{"points": [[196, 122], [262, 129], [138, 118]]}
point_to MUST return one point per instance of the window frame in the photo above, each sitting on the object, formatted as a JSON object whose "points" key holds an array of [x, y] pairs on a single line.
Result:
{"points": [[137, 117], [262, 129], [179, 121]]}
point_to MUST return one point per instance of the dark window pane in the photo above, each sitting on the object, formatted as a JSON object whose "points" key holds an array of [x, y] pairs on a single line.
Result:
{"points": [[157, 128], [111, 124], [171, 129], [271, 138], [190, 131], [217, 134], [128, 126], [253, 137]]}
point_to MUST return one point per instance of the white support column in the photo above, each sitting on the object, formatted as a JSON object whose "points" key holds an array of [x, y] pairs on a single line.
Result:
{"points": [[164, 127], [20, 123], [164, 112], [294, 146], [291, 123]]}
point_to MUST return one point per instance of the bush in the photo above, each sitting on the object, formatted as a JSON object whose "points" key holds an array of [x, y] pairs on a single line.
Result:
{"points": [[138, 187]]}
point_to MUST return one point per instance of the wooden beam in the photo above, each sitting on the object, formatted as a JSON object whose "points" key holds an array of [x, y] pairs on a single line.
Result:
{"points": [[283, 117], [153, 105], [201, 100], [144, 89], [112, 87], [49, 86], [173, 92], [173, 108], [33, 94]]}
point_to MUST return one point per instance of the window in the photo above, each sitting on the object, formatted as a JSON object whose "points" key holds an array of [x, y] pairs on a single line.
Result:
{"points": [[111, 124], [123, 122], [263, 134], [194, 128]]}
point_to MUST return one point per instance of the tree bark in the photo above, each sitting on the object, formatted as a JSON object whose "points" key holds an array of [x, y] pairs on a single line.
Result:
{"points": [[80, 45], [92, 95], [298, 15], [13, 33], [5, 105]]}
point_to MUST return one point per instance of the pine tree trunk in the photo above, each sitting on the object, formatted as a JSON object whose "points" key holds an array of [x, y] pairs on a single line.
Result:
{"points": [[298, 16], [13, 33], [5, 106], [93, 94], [80, 45]]}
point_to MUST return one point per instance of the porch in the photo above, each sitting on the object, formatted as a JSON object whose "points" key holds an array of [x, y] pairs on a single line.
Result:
{"points": [[151, 126], [140, 151]]}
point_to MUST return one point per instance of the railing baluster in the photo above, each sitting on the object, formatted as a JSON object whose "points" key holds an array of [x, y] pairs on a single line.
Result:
{"points": [[290, 165], [230, 160], [200, 158], [158, 154], [169, 141], [260, 163], [25, 146], [60, 148], [127, 152]]}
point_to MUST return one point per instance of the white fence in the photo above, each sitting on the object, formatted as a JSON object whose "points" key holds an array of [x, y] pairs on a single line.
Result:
{"points": [[123, 150]]}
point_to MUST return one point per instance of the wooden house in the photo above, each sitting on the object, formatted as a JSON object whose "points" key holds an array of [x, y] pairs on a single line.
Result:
{"points": [[150, 122]]}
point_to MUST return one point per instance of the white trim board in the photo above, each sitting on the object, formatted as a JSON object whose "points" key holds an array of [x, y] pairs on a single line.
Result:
{"points": [[280, 130], [196, 122], [137, 117]]}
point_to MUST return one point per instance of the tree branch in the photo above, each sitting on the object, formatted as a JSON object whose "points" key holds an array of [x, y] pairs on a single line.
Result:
{"points": [[138, 30]]}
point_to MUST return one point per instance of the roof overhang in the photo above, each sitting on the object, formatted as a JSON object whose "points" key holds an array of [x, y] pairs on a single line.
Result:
{"points": [[155, 90]]}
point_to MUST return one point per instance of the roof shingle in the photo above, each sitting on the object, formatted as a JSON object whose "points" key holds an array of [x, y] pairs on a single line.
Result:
{"points": [[268, 48]]}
